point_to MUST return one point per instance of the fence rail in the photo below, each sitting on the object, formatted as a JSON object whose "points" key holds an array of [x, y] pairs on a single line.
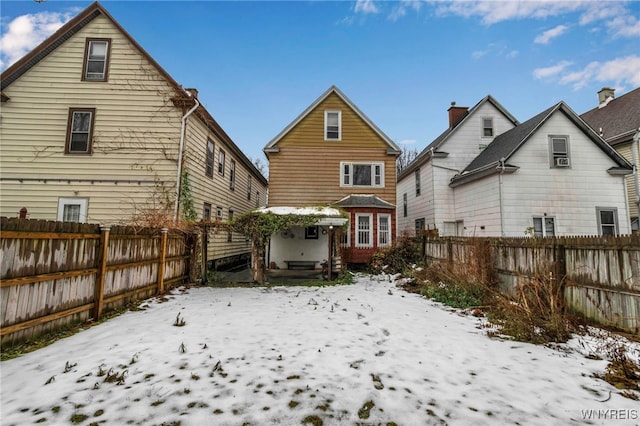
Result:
{"points": [[56, 273], [601, 274]]}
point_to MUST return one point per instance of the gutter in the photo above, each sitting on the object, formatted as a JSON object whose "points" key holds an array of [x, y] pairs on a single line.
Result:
{"points": [[634, 157], [502, 168], [180, 152]]}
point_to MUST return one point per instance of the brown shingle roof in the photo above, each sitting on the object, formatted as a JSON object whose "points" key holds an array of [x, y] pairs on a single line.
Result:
{"points": [[619, 119]]}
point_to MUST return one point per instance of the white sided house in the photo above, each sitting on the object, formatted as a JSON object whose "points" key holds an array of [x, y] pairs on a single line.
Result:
{"points": [[549, 176], [94, 130], [425, 201]]}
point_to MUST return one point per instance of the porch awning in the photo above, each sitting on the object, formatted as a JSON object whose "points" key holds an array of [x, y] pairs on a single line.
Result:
{"points": [[327, 216]]}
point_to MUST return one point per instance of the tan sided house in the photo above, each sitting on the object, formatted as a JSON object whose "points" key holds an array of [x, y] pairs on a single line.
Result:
{"points": [[94, 130], [333, 155]]}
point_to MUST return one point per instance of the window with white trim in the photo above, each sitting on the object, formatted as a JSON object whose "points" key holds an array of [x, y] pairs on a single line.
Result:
{"points": [[332, 125], [80, 131], [417, 175], [96, 60], [487, 127], [221, 162], [559, 151], [364, 234], [607, 220], [232, 175], [219, 213], [362, 174], [384, 230], [544, 227], [72, 209], [209, 158], [206, 212], [405, 205]]}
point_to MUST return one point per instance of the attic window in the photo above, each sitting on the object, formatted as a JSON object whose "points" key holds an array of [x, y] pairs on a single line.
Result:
{"points": [[487, 127], [96, 60], [559, 151], [332, 125]]}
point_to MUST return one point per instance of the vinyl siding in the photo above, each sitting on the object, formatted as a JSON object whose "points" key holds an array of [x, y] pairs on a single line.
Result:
{"points": [[136, 139], [571, 195], [438, 205], [136, 131], [215, 190], [478, 207], [625, 151], [306, 170]]}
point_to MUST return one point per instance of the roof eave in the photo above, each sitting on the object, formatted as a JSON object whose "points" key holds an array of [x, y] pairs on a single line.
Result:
{"points": [[491, 169]]}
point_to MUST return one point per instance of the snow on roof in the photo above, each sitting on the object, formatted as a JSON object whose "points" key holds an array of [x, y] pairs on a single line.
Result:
{"points": [[302, 211]]}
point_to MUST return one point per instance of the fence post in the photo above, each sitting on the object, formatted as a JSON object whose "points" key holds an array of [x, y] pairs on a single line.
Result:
{"points": [[163, 256], [103, 250]]}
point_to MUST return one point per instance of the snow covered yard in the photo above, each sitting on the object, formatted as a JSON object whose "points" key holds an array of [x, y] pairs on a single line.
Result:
{"points": [[368, 353]]}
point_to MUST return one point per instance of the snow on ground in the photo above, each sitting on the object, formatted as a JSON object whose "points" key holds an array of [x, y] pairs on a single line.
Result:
{"points": [[368, 353]]}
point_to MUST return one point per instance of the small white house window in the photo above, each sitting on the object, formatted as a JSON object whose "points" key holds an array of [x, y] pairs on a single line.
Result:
{"points": [[345, 236], [362, 174], [364, 237], [607, 220], [559, 151], [544, 227], [384, 230], [72, 209], [332, 125], [487, 127]]}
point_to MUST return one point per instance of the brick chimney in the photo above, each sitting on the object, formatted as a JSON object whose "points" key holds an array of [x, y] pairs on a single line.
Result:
{"points": [[605, 95], [456, 114]]}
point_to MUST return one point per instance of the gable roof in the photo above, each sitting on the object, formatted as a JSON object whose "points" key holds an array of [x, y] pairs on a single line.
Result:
{"points": [[393, 148], [502, 148], [74, 25], [619, 119], [431, 149]]}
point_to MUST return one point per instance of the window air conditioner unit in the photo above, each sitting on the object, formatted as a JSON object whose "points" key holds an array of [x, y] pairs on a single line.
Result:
{"points": [[562, 162]]}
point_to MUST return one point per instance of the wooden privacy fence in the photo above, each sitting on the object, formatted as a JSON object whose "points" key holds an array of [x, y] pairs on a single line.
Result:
{"points": [[601, 274], [56, 273]]}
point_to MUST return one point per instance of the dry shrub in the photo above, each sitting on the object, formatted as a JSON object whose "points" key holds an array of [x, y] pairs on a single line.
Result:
{"points": [[536, 312], [622, 372], [458, 287], [399, 258]]}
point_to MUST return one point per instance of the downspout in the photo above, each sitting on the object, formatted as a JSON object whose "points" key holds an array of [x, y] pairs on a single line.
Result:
{"points": [[501, 167], [634, 157], [180, 150]]}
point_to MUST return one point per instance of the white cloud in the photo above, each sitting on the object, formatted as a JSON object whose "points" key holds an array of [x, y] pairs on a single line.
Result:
{"points": [[407, 142], [625, 26], [492, 12], [551, 71], [496, 49], [26, 32], [549, 35], [400, 9], [366, 7], [620, 72]]}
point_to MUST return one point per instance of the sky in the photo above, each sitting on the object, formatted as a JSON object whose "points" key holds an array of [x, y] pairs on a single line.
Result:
{"points": [[367, 353], [259, 64]]}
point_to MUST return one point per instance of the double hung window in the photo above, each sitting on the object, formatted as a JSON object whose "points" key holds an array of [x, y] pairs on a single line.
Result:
{"points": [[332, 125], [96, 60], [80, 130]]}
